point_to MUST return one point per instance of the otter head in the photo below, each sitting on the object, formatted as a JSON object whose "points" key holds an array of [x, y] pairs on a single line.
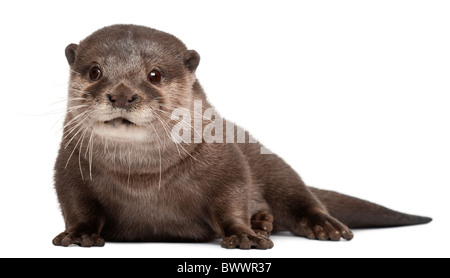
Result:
{"points": [[127, 79]]}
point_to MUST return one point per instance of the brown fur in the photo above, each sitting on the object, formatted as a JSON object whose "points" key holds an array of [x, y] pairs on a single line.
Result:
{"points": [[136, 184]]}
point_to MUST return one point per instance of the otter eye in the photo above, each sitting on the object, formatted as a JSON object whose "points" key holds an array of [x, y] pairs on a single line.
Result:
{"points": [[154, 77], [95, 73]]}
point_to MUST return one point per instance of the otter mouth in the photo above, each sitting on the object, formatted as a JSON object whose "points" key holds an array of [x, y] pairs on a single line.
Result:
{"points": [[121, 129], [119, 122]]}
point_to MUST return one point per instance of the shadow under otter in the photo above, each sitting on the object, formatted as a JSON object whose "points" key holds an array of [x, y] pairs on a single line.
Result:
{"points": [[122, 174]]}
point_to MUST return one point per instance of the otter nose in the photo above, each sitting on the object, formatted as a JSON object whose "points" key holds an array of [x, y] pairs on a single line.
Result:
{"points": [[123, 98]]}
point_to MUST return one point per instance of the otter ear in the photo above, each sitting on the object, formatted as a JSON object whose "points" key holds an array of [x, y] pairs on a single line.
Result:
{"points": [[70, 53], [191, 60]]}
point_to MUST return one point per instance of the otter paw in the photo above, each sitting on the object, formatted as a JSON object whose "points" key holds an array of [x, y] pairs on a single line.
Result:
{"points": [[81, 239], [262, 223], [246, 241], [323, 227]]}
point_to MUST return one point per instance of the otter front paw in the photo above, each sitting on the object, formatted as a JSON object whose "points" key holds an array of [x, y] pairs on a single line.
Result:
{"points": [[79, 238], [322, 226], [246, 241], [262, 223]]}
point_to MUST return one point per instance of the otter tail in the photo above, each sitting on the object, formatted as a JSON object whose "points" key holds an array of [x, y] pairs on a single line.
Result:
{"points": [[357, 213]]}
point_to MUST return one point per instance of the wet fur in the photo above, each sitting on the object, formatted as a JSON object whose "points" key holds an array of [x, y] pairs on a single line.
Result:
{"points": [[129, 183]]}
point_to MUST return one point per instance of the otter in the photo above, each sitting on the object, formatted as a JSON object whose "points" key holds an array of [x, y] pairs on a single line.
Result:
{"points": [[125, 173]]}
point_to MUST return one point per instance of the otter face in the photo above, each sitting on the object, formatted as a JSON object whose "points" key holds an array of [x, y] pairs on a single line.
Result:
{"points": [[126, 80]]}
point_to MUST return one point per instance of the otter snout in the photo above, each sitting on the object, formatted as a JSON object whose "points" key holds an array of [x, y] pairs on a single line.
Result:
{"points": [[122, 97]]}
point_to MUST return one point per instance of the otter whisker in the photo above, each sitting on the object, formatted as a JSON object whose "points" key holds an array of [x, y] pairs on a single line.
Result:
{"points": [[129, 169], [53, 112], [84, 128], [114, 154], [76, 117], [105, 144], [168, 133], [68, 124], [80, 124], [76, 107], [63, 115], [84, 116], [160, 160], [171, 108], [68, 100], [80, 91], [64, 111], [91, 143], [88, 153], [79, 152], [166, 128], [81, 147], [164, 125], [189, 124], [73, 128], [178, 144]]}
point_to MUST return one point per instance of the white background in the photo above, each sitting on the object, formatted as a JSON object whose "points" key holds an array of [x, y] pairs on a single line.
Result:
{"points": [[355, 95]]}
